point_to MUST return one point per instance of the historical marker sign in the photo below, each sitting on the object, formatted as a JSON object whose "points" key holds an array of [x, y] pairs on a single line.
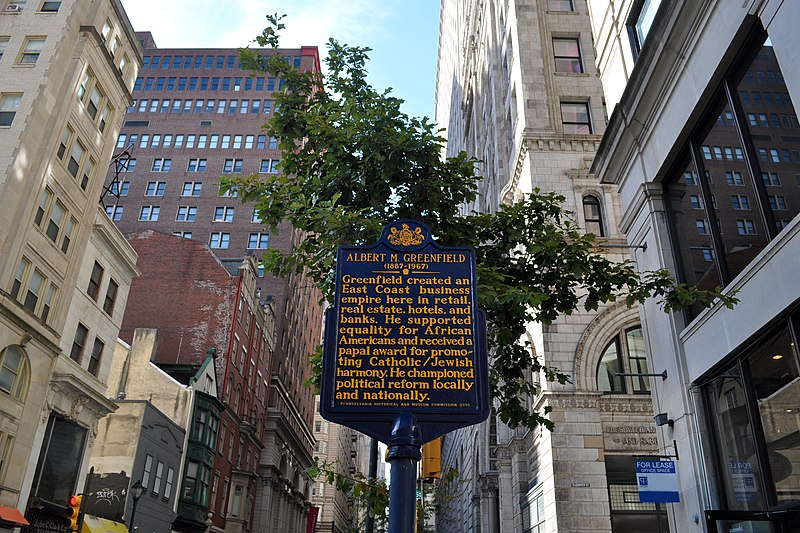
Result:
{"points": [[405, 334]]}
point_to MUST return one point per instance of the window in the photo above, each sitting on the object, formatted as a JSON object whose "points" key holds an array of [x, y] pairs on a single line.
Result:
{"points": [[593, 216], [168, 484], [161, 165], [148, 466], [223, 214], [567, 53], [106, 31], [96, 356], [94, 102], [560, 5], [93, 290], [702, 228], [3, 45], [76, 353], [111, 297], [232, 165], [734, 178], [641, 19], [159, 477], [575, 117], [155, 188], [258, 240], [770, 179], [14, 372], [196, 165], [777, 202], [183, 234], [624, 354], [186, 214], [31, 284], [31, 50], [740, 201], [149, 213], [230, 192], [114, 212], [9, 103], [746, 227], [196, 482], [56, 474], [219, 240], [76, 158], [256, 217], [192, 188]]}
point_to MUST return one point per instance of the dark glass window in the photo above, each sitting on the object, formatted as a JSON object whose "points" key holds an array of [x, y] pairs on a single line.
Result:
{"points": [[753, 409], [742, 227], [96, 356], [77, 345], [94, 281], [593, 215], [111, 296], [624, 354], [59, 463]]}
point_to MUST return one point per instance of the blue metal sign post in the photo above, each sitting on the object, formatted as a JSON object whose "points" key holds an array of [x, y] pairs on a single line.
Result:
{"points": [[405, 357]]}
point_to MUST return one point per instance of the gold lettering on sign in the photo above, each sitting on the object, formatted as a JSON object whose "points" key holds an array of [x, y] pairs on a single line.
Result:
{"points": [[405, 329]]}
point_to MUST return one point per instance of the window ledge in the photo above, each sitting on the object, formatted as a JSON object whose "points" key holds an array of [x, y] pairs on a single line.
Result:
{"points": [[573, 74]]}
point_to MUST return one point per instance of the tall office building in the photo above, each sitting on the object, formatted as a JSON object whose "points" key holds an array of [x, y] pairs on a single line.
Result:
{"points": [[704, 144], [338, 446], [196, 116], [518, 88], [66, 71]]}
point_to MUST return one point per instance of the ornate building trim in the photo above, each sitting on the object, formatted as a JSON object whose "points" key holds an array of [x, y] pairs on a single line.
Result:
{"points": [[600, 330]]}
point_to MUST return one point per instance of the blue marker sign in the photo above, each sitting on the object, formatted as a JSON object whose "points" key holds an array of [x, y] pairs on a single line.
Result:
{"points": [[657, 481], [405, 335]]}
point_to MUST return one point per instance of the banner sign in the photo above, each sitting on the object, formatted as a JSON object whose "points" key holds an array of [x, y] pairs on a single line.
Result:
{"points": [[405, 334], [657, 481], [311, 524]]}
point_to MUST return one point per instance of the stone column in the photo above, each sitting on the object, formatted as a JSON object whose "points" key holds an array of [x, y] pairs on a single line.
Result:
{"points": [[489, 489]]}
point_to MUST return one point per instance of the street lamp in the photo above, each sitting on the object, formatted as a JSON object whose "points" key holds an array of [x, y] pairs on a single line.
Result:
{"points": [[136, 492]]}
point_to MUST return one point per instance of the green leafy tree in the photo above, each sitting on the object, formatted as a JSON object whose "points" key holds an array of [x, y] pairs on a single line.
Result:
{"points": [[352, 161]]}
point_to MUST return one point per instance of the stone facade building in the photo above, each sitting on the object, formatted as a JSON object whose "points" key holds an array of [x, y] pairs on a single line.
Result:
{"points": [[517, 88], [704, 144], [66, 71]]}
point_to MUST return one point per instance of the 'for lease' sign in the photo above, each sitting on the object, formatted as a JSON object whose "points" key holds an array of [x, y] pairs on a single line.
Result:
{"points": [[657, 481]]}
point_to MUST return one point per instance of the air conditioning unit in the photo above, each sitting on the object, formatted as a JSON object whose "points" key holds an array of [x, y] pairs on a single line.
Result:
{"points": [[13, 7]]}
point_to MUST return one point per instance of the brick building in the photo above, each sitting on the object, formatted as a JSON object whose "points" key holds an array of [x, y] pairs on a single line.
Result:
{"points": [[210, 309], [196, 115]]}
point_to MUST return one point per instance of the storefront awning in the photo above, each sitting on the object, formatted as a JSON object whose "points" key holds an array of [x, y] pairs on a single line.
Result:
{"points": [[95, 524], [11, 515]]}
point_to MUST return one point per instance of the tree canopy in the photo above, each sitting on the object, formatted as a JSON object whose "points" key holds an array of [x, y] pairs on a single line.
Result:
{"points": [[352, 161]]}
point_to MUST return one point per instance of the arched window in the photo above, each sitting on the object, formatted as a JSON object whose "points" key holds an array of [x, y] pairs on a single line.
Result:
{"points": [[624, 354], [593, 215], [14, 372]]}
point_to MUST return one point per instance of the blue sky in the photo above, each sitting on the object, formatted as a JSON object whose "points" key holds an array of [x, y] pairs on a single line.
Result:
{"points": [[402, 33]]}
